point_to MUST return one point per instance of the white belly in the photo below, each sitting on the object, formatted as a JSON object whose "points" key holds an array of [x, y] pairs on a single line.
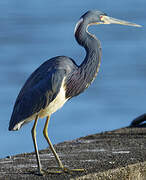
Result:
{"points": [[56, 104]]}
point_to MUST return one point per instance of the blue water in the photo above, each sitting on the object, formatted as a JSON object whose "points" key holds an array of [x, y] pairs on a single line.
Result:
{"points": [[34, 31]]}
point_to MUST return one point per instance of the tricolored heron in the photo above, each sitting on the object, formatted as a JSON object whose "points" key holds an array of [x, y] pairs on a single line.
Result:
{"points": [[59, 79]]}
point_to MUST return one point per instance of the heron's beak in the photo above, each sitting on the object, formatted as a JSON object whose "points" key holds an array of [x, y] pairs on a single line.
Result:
{"points": [[110, 20]]}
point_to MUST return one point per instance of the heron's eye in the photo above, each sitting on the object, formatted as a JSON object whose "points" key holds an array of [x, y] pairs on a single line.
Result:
{"points": [[101, 18]]}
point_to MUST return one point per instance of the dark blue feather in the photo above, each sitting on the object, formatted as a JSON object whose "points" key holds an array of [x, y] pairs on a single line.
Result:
{"points": [[41, 88]]}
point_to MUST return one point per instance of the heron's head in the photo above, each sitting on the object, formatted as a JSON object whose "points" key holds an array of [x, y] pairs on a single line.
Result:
{"points": [[98, 17]]}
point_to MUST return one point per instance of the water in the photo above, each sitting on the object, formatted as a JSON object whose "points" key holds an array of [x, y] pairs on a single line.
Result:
{"points": [[34, 31]]}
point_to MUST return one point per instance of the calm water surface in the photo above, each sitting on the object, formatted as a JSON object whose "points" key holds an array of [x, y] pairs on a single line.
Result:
{"points": [[34, 31]]}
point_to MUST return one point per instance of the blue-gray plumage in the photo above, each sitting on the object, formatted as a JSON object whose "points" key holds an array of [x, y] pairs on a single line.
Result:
{"points": [[59, 79], [41, 88]]}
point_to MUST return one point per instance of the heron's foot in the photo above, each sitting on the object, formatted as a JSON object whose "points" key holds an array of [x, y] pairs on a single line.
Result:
{"points": [[57, 170], [67, 170]]}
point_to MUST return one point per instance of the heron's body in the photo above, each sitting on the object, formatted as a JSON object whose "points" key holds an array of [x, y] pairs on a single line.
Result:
{"points": [[44, 91], [52, 107], [59, 79]]}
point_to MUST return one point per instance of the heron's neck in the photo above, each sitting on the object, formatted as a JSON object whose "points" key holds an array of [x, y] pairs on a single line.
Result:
{"points": [[90, 66]]}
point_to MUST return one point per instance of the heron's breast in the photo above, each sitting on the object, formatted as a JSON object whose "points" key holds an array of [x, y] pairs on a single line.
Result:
{"points": [[56, 104]]}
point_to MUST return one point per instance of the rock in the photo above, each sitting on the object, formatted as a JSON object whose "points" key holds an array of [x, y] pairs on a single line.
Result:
{"points": [[118, 154]]}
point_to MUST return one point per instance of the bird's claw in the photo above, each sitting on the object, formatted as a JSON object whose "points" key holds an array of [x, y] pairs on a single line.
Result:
{"points": [[60, 171]]}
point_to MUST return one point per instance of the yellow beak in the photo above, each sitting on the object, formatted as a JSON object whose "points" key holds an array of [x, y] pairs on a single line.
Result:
{"points": [[110, 20]]}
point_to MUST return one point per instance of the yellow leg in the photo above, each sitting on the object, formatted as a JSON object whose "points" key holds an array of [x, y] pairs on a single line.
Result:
{"points": [[63, 169], [45, 132], [33, 131]]}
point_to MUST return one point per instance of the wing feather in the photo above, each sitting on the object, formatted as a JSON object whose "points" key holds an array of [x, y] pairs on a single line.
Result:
{"points": [[38, 96]]}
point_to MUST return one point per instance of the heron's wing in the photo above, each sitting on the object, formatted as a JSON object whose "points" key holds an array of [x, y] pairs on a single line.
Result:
{"points": [[37, 96]]}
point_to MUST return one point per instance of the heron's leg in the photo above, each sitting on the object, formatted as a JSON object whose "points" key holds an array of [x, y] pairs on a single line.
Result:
{"points": [[45, 132], [33, 131]]}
